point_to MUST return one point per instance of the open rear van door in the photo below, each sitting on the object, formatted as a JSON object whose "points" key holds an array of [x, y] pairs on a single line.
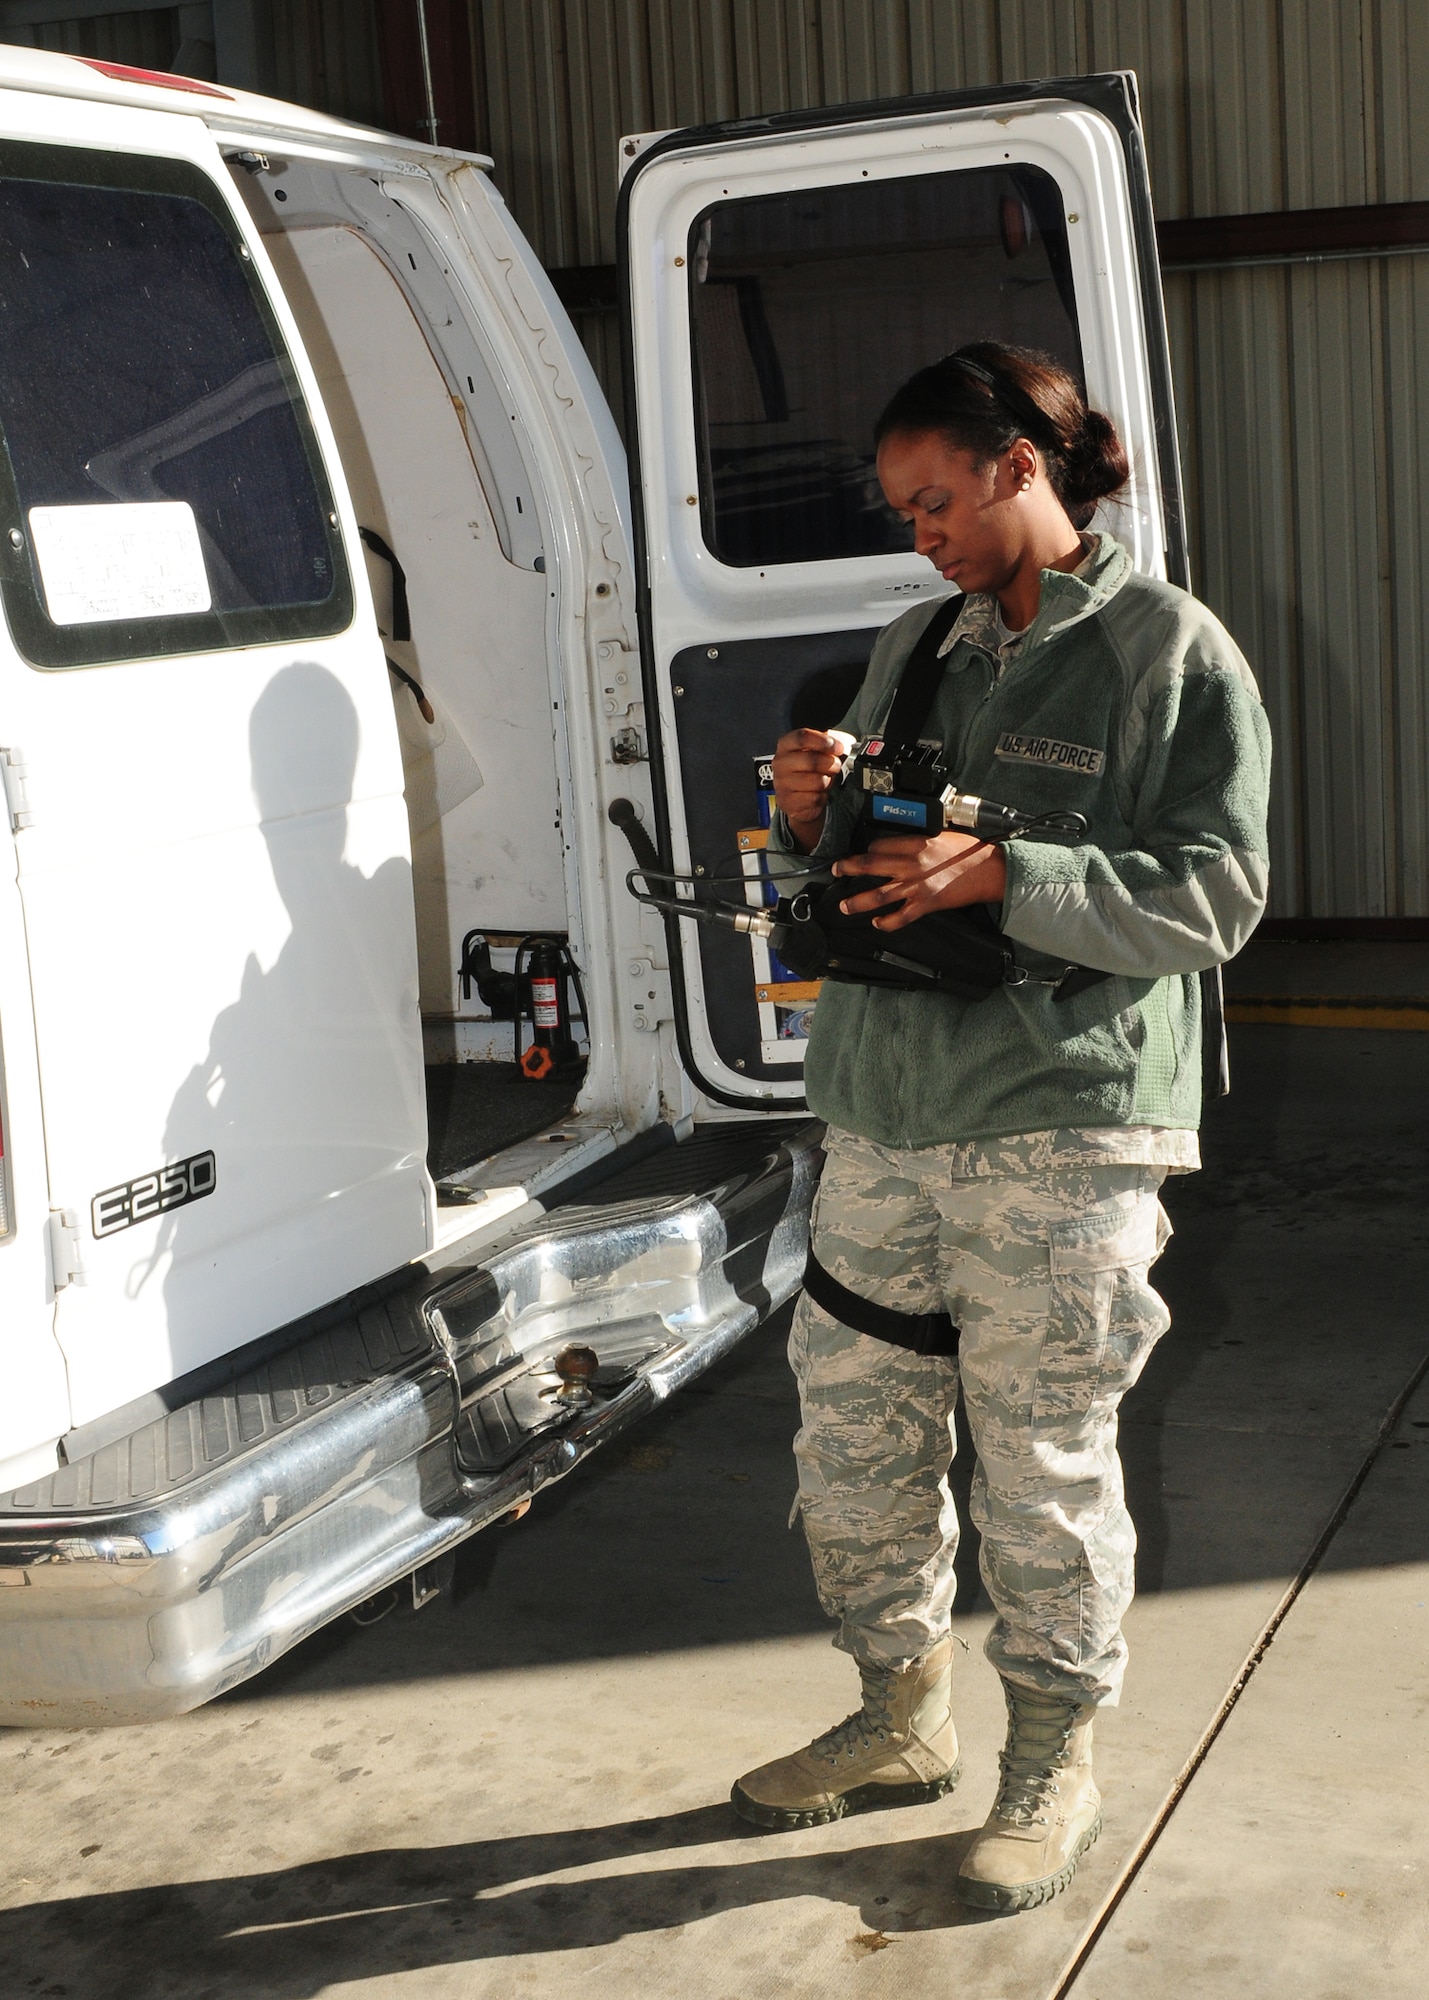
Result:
{"points": [[782, 276]]}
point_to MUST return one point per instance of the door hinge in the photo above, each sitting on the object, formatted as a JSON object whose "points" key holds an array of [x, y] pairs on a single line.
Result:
{"points": [[14, 771], [648, 996], [66, 1255]]}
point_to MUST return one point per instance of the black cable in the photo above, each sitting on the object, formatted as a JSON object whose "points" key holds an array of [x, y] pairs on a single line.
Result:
{"points": [[401, 610], [575, 972], [747, 917], [710, 880], [1072, 824], [429, 714], [624, 814]]}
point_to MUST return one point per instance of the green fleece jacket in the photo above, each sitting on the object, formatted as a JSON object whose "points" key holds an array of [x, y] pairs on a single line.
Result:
{"points": [[1130, 703]]}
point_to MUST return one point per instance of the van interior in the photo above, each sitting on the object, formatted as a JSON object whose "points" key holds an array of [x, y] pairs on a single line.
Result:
{"points": [[450, 525]]}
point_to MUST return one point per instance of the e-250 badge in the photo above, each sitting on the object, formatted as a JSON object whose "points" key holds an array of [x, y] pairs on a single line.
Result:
{"points": [[154, 1194]]}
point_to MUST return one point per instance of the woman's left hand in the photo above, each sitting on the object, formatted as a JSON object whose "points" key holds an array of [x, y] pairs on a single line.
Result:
{"points": [[945, 872]]}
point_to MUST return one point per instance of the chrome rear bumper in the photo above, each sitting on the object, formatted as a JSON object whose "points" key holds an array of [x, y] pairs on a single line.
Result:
{"points": [[116, 1608]]}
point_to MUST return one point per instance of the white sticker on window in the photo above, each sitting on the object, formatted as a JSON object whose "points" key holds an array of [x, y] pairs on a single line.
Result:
{"points": [[126, 559]]}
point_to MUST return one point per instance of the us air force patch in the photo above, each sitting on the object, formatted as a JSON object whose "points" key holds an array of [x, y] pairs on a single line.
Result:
{"points": [[1047, 750]]}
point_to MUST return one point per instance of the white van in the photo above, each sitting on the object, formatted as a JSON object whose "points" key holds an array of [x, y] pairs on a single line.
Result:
{"points": [[342, 672]]}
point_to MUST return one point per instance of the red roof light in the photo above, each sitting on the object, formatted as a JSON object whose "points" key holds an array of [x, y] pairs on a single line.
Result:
{"points": [[165, 79]]}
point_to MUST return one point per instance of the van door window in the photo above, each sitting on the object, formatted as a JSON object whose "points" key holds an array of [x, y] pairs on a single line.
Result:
{"points": [[810, 308], [161, 489]]}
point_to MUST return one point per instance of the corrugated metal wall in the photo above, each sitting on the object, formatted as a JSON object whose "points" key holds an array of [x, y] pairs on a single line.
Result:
{"points": [[324, 53], [1305, 435], [148, 38], [1305, 432]]}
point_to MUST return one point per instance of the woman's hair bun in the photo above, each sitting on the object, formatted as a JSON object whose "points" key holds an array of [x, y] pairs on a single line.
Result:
{"points": [[1094, 464]]}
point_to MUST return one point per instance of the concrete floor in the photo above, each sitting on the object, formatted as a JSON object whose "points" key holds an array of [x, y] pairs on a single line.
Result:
{"points": [[525, 1792]]}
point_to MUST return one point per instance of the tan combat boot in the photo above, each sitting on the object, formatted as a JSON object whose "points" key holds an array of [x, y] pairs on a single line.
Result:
{"points": [[1047, 1812], [899, 1749]]}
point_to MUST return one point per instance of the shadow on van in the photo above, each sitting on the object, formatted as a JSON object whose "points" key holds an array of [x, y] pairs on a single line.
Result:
{"points": [[310, 1096]]}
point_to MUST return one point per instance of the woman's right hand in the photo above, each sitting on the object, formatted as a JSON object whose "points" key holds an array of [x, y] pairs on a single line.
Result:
{"points": [[806, 763]]}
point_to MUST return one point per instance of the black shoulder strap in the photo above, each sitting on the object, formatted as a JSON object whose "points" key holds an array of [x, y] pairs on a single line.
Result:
{"points": [[913, 697]]}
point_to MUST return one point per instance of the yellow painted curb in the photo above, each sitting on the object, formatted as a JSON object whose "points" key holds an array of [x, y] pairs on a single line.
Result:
{"points": [[1331, 1011]]}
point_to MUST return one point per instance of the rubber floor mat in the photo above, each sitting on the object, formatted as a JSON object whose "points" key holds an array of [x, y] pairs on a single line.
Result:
{"points": [[474, 1109]]}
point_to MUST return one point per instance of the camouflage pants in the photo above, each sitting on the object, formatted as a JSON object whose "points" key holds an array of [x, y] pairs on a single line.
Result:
{"points": [[1046, 1275]]}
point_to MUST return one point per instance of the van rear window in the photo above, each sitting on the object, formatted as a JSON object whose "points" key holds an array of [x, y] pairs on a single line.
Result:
{"points": [[808, 309], [161, 489]]}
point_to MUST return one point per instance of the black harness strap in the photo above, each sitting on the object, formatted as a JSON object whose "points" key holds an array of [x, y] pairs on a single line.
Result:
{"points": [[1215, 1052], [913, 696], [908, 717], [921, 1333]]}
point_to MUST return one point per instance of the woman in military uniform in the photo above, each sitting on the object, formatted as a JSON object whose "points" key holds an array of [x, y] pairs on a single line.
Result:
{"points": [[998, 1161]]}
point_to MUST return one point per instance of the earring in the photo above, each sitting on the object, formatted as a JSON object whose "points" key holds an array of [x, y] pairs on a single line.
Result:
{"points": [[1026, 486]]}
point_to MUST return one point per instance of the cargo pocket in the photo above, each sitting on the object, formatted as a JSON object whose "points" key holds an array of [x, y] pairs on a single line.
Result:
{"points": [[1104, 1318]]}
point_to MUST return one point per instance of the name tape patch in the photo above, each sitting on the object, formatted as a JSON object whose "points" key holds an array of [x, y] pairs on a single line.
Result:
{"points": [[1048, 751], [153, 1194]]}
